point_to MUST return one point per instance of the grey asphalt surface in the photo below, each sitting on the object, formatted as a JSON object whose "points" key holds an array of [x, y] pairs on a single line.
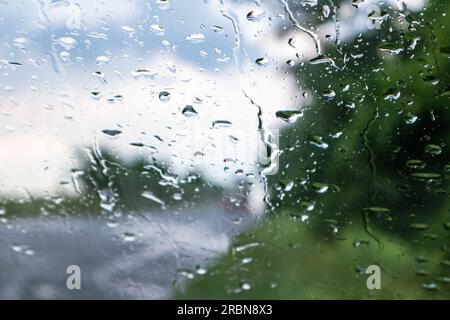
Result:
{"points": [[146, 256]]}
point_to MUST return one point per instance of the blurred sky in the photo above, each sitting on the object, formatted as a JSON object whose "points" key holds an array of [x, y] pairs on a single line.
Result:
{"points": [[201, 52]]}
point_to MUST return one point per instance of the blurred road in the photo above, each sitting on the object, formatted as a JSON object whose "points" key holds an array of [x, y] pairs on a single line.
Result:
{"points": [[144, 258]]}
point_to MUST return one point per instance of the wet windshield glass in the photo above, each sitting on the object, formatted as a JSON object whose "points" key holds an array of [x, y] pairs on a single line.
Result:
{"points": [[224, 148]]}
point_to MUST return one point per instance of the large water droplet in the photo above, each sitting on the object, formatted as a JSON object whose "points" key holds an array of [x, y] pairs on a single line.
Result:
{"points": [[111, 132], [164, 96], [433, 149], [221, 124], [129, 237], [189, 111], [102, 59], [128, 29], [67, 42], [415, 164], [195, 37], [289, 116], [392, 94], [157, 29], [318, 141]]}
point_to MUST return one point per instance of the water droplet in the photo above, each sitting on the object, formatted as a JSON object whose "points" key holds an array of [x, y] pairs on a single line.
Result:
{"points": [[392, 94], [65, 56], [431, 79], [289, 116], [201, 271], [20, 41], [129, 237], [326, 11], [410, 118], [102, 59], [128, 29], [163, 4], [262, 61], [291, 42], [67, 43], [443, 279], [422, 259], [146, 73], [107, 200], [221, 124], [349, 104], [112, 223], [307, 205], [172, 68], [430, 286], [446, 263], [217, 29], [111, 132], [186, 273], [419, 226], [189, 111], [287, 185], [177, 196], [426, 175], [29, 252], [255, 15], [16, 248], [391, 48], [358, 243], [377, 210], [246, 286], [137, 144], [328, 93], [415, 164], [320, 187], [245, 247], [321, 59], [158, 29], [195, 37], [433, 149], [22, 249], [422, 273], [356, 3], [164, 96], [115, 98], [99, 75], [304, 217], [318, 142]]}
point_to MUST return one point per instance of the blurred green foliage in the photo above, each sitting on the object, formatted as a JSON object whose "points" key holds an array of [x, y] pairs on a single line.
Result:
{"points": [[370, 165]]}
